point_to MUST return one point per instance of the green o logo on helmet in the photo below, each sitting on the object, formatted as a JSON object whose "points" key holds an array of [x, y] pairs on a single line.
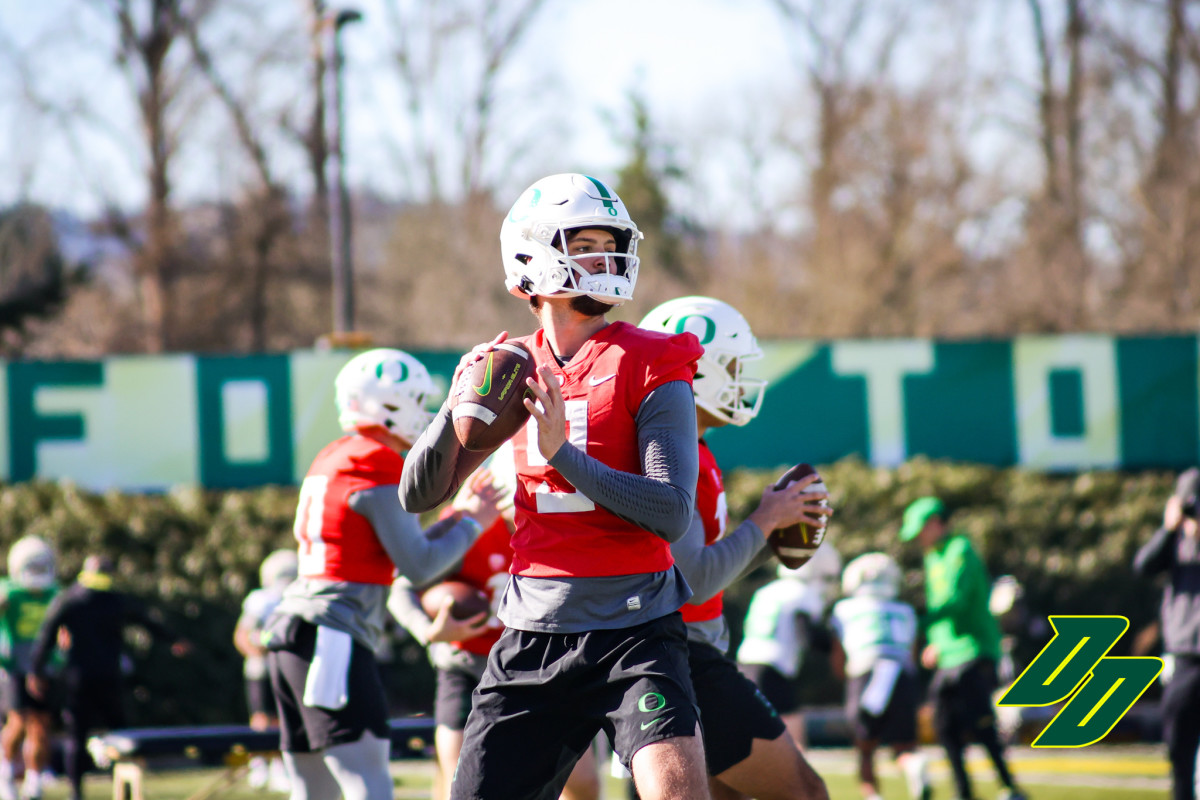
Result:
{"points": [[387, 370], [534, 199], [708, 327]]}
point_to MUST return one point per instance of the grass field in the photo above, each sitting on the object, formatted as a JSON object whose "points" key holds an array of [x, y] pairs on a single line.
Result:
{"points": [[1105, 773]]}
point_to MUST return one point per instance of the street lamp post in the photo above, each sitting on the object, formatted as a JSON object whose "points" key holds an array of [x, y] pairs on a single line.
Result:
{"points": [[339, 198]]}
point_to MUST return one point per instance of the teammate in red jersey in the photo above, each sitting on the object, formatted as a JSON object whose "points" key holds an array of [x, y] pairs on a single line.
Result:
{"points": [[458, 649], [353, 538], [607, 474], [746, 744]]}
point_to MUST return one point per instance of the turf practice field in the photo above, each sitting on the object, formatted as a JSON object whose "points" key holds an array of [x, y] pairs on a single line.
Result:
{"points": [[1127, 772]]}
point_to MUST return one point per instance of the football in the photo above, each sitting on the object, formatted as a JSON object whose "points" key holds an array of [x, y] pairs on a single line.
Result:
{"points": [[468, 601], [796, 544], [487, 405]]}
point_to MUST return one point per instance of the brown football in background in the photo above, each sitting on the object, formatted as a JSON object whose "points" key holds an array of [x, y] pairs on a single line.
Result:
{"points": [[795, 544], [468, 600], [487, 405]]}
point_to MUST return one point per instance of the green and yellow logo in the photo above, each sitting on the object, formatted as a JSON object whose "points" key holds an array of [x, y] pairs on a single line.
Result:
{"points": [[1074, 666], [485, 387]]}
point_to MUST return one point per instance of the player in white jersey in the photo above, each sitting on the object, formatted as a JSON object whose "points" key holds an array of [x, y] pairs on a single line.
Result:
{"points": [[873, 651], [784, 623]]}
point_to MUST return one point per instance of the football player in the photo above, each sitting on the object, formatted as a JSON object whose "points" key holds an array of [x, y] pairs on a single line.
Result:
{"points": [[874, 653], [276, 572], [25, 597], [458, 649], [606, 473], [748, 749], [353, 537], [784, 623]]}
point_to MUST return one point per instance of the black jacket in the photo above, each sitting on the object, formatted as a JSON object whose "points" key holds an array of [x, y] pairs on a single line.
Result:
{"points": [[1178, 556], [95, 620]]}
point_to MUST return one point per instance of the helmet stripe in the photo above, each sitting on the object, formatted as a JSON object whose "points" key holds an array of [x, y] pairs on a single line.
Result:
{"points": [[605, 195]]}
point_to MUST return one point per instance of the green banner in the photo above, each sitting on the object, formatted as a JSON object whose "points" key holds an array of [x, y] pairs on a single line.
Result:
{"points": [[1046, 402]]}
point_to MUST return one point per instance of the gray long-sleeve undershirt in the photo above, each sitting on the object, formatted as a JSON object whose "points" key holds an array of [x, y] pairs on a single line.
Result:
{"points": [[358, 608], [660, 500], [711, 568], [417, 556]]}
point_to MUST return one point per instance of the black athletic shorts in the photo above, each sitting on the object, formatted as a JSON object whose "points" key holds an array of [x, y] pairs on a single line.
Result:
{"points": [[16, 697], [732, 708], [544, 696], [898, 722], [304, 729], [453, 701], [963, 698], [260, 699], [779, 689]]}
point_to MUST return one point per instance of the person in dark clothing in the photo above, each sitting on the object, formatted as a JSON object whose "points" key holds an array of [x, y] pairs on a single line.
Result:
{"points": [[88, 621], [1174, 549]]}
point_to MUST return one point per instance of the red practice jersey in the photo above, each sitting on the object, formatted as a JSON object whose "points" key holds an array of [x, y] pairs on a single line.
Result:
{"points": [[485, 566], [336, 543], [713, 511], [560, 531]]}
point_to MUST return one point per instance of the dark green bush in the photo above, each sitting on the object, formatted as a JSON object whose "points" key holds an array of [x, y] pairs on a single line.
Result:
{"points": [[195, 554]]}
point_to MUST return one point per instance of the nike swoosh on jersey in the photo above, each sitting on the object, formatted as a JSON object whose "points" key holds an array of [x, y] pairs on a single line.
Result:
{"points": [[485, 387], [600, 380], [651, 722]]}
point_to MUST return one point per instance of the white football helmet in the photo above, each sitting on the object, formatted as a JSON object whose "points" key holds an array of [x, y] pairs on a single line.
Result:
{"points": [[721, 387], [872, 575], [279, 569], [31, 563], [823, 572], [384, 387], [534, 234]]}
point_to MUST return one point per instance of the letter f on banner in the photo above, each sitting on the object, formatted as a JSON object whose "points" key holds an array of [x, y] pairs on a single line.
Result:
{"points": [[1074, 665]]}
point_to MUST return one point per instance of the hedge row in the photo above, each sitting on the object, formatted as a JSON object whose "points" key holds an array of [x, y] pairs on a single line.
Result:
{"points": [[195, 554]]}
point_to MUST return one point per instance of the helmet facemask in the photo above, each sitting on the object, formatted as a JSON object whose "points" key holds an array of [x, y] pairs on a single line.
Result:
{"points": [[723, 391]]}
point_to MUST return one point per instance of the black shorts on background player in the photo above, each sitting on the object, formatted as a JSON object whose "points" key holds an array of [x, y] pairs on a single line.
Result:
{"points": [[735, 711], [304, 729], [453, 702], [898, 722], [780, 690]]}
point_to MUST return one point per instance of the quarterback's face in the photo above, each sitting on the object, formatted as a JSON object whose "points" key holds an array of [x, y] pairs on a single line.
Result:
{"points": [[593, 240]]}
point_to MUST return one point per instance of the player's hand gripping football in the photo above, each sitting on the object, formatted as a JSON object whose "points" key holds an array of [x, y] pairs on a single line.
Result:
{"points": [[474, 354], [791, 505], [445, 628], [549, 409]]}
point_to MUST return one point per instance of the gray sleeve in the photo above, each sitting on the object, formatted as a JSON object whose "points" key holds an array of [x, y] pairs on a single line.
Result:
{"points": [[435, 466], [405, 605], [661, 499], [416, 556], [710, 568]]}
